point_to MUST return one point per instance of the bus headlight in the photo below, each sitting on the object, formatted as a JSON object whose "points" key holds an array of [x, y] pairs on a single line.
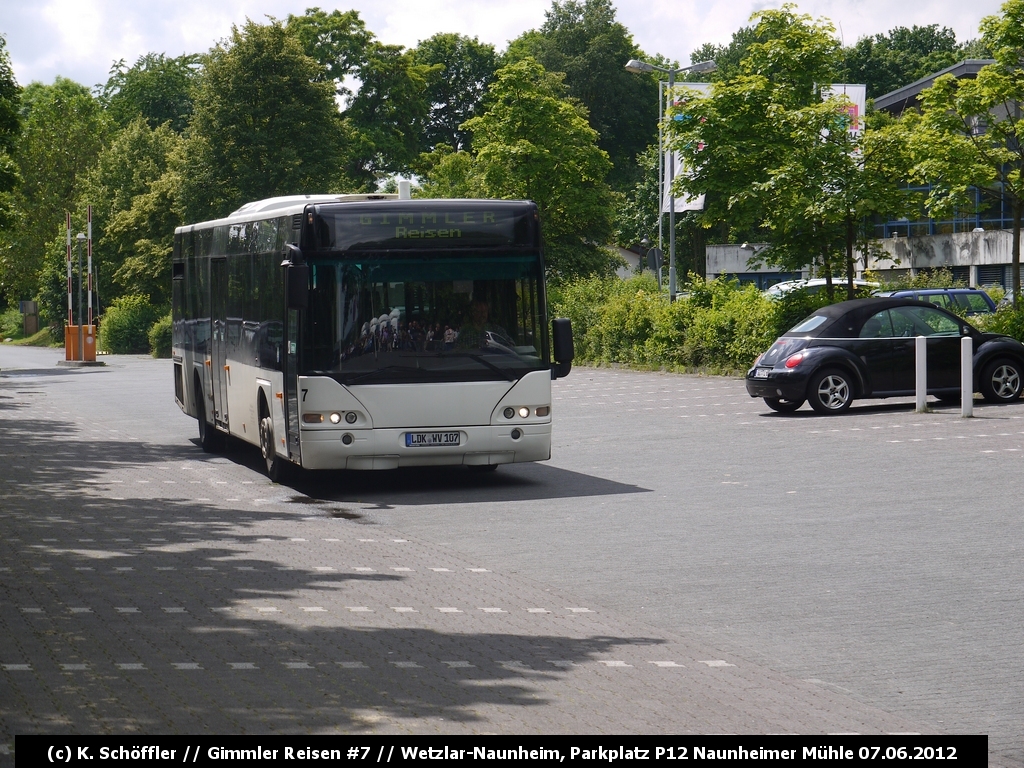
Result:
{"points": [[508, 413], [312, 418], [524, 412], [350, 417], [335, 418], [544, 410]]}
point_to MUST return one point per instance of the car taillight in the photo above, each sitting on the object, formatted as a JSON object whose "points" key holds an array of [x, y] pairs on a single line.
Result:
{"points": [[794, 360]]}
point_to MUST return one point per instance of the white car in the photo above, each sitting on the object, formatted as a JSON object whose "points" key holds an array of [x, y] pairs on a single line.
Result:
{"points": [[816, 284]]}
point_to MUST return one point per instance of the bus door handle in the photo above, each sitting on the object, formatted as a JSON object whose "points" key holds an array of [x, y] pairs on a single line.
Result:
{"points": [[227, 368]]}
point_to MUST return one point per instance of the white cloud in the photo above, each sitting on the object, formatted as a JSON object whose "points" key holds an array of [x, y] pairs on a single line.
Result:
{"points": [[81, 38]]}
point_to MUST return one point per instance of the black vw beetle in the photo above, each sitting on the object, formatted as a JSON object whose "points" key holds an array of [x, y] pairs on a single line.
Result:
{"points": [[865, 348]]}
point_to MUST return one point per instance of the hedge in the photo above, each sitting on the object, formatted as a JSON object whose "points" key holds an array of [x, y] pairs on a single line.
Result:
{"points": [[124, 327], [718, 326]]}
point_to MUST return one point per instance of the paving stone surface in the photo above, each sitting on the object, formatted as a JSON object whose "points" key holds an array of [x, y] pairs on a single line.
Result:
{"points": [[148, 587]]}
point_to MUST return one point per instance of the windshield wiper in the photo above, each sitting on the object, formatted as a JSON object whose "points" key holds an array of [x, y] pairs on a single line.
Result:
{"points": [[478, 358]]}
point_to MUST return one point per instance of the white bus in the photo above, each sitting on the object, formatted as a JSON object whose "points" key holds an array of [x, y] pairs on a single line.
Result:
{"points": [[368, 332]]}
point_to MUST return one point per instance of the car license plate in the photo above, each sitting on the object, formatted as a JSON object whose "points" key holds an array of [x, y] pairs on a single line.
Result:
{"points": [[431, 439], [761, 373]]}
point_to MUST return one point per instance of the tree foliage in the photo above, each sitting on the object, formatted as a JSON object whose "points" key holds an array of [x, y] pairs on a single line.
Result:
{"points": [[583, 40], [156, 87], [889, 61], [265, 124], [970, 132], [10, 129], [771, 154], [64, 130], [534, 144], [462, 68]]}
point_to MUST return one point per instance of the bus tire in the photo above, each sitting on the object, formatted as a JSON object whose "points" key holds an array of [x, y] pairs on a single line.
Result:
{"points": [[277, 467], [210, 439]]}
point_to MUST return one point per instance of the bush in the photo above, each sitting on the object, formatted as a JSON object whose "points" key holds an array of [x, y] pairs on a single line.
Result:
{"points": [[125, 325], [160, 337], [1005, 320], [715, 325], [11, 324]]}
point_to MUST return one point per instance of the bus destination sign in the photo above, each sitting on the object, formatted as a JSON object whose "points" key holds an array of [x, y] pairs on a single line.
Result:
{"points": [[423, 228]]}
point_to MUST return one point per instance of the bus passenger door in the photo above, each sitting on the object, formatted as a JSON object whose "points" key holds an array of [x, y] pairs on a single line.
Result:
{"points": [[218, 339], [291, 384]]}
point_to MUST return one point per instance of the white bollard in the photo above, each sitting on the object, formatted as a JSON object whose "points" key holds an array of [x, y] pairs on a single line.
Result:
{"points": [[921, 380], [966, 377]]}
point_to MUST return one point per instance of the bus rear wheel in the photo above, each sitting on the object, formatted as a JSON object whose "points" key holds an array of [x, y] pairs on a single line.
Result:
{"points": [[277, 467]]}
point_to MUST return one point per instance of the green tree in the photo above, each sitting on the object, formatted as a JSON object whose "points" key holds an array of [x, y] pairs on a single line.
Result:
{"points": [[265, 124], [889, 61], [583, 40], [132, 190], [10, 129], [772, 156], [337, 41], [64, 130], [969, 132], [532, 144], [463, 68], [382, 120], [389, 111], [156, 87]]}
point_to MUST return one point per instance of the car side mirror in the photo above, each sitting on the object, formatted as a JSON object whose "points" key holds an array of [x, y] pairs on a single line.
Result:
{"points": [[564, 352]]}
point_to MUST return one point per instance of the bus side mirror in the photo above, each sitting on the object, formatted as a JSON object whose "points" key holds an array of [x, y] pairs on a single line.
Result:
{"points": [[297, 282], [561, 330]]}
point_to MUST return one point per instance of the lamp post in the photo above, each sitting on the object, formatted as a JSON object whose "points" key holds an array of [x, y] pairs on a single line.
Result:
{"points": [[636, 66]]}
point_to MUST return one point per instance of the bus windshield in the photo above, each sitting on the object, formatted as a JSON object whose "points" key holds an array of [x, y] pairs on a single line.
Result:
{"points": [[425, 317]]}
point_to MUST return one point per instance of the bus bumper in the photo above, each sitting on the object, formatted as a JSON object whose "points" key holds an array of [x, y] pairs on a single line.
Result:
{"points": [[386, 448]]}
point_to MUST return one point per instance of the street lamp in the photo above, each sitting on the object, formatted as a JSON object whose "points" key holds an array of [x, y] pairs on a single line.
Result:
{"points": [[637, 67]]}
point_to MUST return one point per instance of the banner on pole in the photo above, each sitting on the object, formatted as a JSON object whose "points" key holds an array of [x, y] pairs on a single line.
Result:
{"points": [[857, 96], [684, 202]]}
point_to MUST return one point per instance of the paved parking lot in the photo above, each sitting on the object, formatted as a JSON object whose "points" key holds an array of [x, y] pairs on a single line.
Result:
{"points": [[686, 562]]}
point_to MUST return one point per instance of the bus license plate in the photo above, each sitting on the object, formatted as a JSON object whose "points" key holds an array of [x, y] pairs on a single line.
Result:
{"points": [[431, 439], [761, 373]]}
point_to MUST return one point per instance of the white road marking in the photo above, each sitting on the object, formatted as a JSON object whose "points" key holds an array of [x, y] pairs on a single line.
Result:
{"points": [[174, 610], [440, 570], [359, 609], [537, 610], [614, 663], [458, 664], [403, 609], [351, 665], [314, 609], [449, 610], [17, 667], [492, 610], [406, 664], [579, 610], [185, 665], [664, 664], [242, 665], [718, 663], [131, 666], [297, 665]]}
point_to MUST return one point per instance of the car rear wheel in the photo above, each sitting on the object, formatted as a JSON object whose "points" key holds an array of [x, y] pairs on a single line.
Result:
{"points": [[1001, 381], [830, 391], [782, 406]]}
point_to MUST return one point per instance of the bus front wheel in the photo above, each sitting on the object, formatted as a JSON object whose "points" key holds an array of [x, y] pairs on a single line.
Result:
{"points": [[210, 439], [276, 466]]}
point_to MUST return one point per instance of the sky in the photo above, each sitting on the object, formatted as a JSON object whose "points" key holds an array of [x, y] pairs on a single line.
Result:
{"points": [[81, 39]]}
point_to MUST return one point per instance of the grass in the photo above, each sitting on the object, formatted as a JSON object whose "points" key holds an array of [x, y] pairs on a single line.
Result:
{"points": [[41, 339]]}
